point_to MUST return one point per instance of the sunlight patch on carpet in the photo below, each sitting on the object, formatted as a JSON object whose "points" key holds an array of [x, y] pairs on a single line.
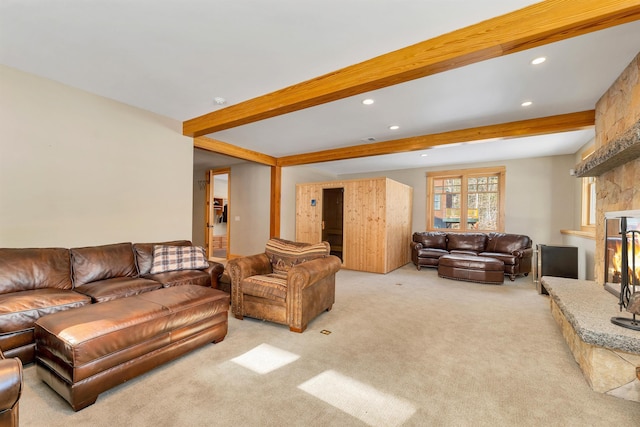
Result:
{"points": [[265, 358], [358, 399]]}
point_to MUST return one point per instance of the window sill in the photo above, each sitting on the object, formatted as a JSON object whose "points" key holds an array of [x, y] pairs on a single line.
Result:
{"points": [[586, 234]]}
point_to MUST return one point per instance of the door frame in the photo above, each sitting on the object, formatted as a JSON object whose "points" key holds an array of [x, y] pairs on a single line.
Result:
{"points": [[209, 213]]}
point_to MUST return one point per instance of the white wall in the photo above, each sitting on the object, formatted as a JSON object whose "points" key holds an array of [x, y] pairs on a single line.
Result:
{"points": [[79, 169]]}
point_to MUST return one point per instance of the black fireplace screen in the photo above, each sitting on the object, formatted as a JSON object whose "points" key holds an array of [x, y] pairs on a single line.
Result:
{"points": [[617, 262], [622, 265]]}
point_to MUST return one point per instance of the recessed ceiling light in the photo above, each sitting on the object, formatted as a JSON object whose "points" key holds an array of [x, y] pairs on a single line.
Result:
{"points": [[368, 101], [526, 103], [538, 60], [424, 155], [219, 100], [394, 127]]}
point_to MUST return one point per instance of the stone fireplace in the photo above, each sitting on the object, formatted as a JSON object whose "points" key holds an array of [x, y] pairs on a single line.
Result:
{"points": [[616, 161], [608, 355]]}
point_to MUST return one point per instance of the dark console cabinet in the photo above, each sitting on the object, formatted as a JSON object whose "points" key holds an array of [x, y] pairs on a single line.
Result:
{"points": [[557, 261]]}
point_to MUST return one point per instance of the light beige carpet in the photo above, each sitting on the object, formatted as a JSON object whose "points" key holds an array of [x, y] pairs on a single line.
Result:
{"points": [[405, 348]]}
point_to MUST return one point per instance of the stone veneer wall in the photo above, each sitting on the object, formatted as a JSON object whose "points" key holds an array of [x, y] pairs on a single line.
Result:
{"points": [[617, 189]]}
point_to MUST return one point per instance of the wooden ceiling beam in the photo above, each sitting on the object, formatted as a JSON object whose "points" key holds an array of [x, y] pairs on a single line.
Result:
{"points": [[531, 127], [541, 23], [227, 149]]}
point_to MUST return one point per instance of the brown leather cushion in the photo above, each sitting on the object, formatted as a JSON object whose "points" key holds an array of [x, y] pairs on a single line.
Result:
{"points": [[475, 242], [118, 287], [507, 259], [471, 262], [507, 243], [20, 310], [431, 239], [471, 268], [95, 263], [27, 269]]}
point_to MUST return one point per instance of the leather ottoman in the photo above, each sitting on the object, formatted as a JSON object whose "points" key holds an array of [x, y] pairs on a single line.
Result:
{"points": [[471, 268], [84, 351]]}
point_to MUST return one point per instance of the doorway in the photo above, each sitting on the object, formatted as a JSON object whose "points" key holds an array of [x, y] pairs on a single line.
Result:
{"points": [[332, 219], [217, 236]]}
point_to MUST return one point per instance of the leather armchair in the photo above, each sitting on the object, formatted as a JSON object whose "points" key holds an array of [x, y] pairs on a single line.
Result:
{"points": [[10, 390], [291, 283]]}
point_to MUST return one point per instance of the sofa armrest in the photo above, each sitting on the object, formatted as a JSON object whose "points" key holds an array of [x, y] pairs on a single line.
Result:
{"points": [[523, 253], [10, 382], [241, 268], [215, 270], [416, 246], [252, 265], [308, 273]]}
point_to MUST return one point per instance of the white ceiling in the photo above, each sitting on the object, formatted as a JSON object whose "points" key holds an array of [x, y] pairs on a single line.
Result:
{"points": [[173, 57]]}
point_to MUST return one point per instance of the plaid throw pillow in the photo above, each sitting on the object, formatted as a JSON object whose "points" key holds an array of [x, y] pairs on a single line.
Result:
{"points": [[172, 258]]}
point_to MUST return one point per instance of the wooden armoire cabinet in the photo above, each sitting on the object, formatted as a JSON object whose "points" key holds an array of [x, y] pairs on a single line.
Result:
{"points": [[376, 221]]}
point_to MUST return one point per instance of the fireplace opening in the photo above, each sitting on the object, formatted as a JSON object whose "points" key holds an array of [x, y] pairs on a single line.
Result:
{"points": [[622, 261], [613, 253]]}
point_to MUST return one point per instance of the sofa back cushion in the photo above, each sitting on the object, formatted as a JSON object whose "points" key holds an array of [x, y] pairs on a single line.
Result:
{"points": [[431, 239], [95, 263], [144, 253], [28, 269], [475, 242], [284, 254], [507, 243]]}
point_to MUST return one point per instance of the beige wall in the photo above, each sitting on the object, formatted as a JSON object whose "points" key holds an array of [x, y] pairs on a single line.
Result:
{"points": [[540, 199], [250, 200], [78, 169], [539, 195]]}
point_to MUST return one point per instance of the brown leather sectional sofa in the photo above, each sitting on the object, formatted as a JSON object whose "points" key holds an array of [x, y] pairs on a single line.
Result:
{"points": [[40, 281], [10, 390], [515, 250]]}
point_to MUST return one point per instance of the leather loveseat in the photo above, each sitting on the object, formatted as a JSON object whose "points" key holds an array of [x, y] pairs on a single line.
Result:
{"points": [[515, 250], [36, 282]]}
